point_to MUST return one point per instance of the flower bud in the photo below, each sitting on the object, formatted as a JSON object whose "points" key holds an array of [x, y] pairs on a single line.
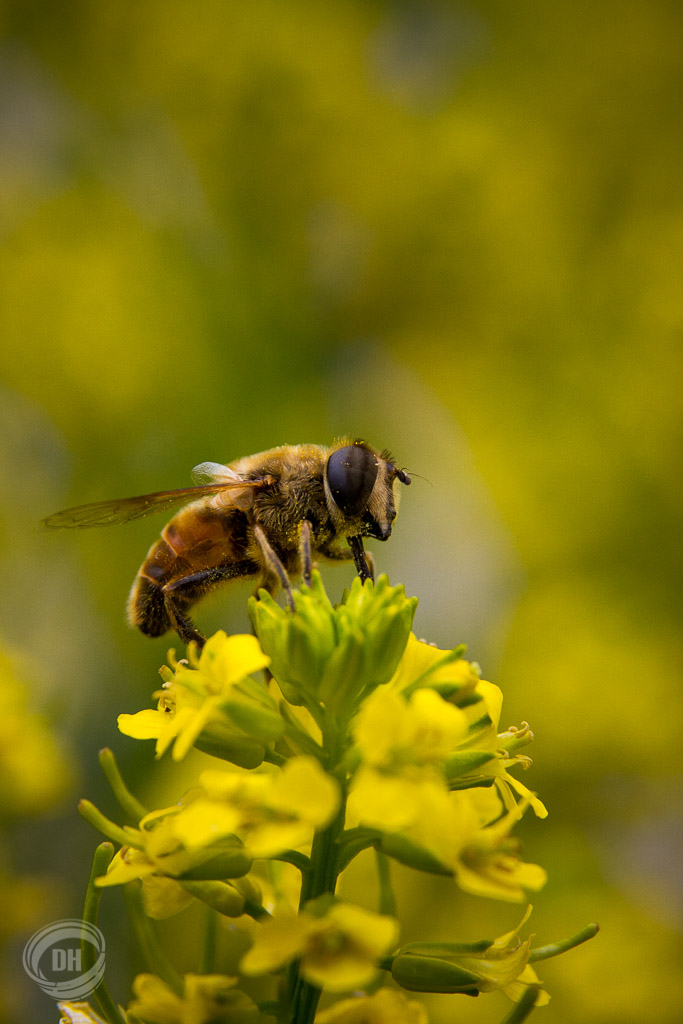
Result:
{"points": [[222, 896], [468, 968], [253, 710], [460, 762], [431, 974], [220, 740], [334, 655], [402, 849], [300, 644], [228, 862]]}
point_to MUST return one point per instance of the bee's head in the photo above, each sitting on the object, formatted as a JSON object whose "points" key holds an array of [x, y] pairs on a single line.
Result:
{"points": [[359, 486]]}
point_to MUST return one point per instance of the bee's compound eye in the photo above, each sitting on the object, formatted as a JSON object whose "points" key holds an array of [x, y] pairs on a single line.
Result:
{"points": [[351, 475]]}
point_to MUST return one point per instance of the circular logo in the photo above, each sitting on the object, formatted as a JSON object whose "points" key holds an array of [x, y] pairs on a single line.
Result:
{"points": [[54, 958]]}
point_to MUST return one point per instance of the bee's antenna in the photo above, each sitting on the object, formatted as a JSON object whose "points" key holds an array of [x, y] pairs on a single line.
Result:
{"points": [[410, 475]]}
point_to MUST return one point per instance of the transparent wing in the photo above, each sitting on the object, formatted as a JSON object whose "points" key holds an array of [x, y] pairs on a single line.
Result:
{"points": [[213, 473], [124, 510]]}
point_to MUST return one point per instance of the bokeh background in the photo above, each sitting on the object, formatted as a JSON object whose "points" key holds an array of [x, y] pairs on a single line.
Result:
{"points": [[454, 228]]}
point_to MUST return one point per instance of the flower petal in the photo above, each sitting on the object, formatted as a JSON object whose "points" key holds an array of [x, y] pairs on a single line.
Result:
{"points": [[145, 725]]}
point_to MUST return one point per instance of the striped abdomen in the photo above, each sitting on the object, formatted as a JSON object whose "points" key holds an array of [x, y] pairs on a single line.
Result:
{"points": [[195, 542]]}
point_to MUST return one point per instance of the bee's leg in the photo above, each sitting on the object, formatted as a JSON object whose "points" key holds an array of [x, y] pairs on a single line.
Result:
{"points": [[184, 626], [274, 564], [305, 552], [344, 555], [180, 593], [365, 571]]}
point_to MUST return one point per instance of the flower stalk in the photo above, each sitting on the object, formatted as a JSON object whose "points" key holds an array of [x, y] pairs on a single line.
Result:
{"points": [[360, 737]]}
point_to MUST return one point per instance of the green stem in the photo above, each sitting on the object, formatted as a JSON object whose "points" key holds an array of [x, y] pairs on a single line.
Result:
{"points": [[323, 873], [130, 804], [555, 948], [299, 860], [387, 900], [523, 1008], [305, 1003], [321, 879], [353, 841], [208, 940], [156, 959], [272, 757], [93, 895], [255, 910], [94, 817]]}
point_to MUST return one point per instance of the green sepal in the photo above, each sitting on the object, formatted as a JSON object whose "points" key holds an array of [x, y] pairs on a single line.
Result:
{"points": [[220, 895], [297, 737], [443, 950], [443, 686], [345, 671], [300, 644], [463, 761], [260, 721], [333, 656], [467, 700], [475, 782], [413, 856], [230, 746], [431, 974], [230, 862], [388, 641]]}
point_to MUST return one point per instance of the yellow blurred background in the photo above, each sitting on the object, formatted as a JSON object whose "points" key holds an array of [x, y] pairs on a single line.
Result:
{"points": [[454, 228]]}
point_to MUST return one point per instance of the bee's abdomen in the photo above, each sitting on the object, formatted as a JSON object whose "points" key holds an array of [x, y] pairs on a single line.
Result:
{"points": [[193, 543], [147, 604], [147, 608]]}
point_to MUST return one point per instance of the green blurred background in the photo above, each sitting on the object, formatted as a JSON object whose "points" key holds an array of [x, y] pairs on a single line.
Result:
{"points": [[453, 228]]}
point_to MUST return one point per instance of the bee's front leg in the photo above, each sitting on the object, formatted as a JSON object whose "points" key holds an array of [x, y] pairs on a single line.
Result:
{"points": [[366, 571], [305, 552], [274, 564], [365, 566]]}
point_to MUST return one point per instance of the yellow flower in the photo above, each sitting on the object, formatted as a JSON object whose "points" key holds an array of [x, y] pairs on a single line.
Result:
{"points": [[487, 863], [400, 787], [391, 732], [469, 968], [463, 831], [157, 858], [429, 728], [207, 999], [406, 802], [271, 811], [484, 736], [338, 951], [154, 850], [423, 664], [215, 701], [384, 1007], [466, 834]]}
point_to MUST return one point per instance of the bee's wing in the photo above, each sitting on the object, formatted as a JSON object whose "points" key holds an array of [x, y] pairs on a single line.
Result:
{"points": [[124, 510], [213, 473]]}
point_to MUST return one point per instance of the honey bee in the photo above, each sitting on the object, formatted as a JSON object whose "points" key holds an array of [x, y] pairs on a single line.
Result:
{"points": [[265, 516]]}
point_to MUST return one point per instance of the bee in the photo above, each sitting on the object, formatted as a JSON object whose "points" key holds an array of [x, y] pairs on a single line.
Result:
{"points": [[265, 516]]}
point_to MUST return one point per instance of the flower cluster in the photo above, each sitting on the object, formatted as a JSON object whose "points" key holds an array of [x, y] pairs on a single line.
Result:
{"points": [[335, 730]]}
